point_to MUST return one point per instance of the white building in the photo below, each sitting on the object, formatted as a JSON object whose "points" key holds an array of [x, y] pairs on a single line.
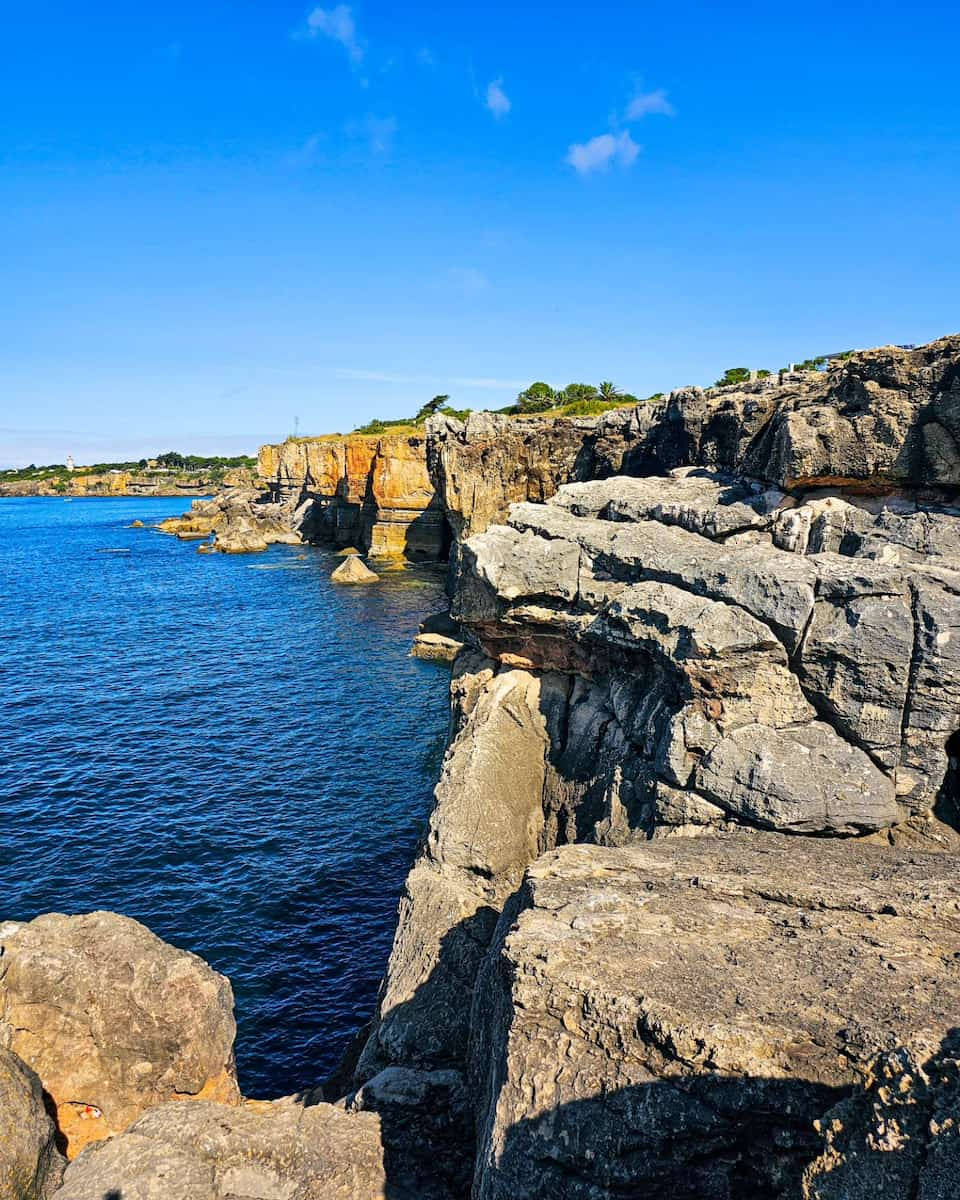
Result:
{"points": [[70, 463]]}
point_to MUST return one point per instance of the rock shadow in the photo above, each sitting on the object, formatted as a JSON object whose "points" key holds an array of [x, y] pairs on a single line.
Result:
{"points": [[712, 1137]]}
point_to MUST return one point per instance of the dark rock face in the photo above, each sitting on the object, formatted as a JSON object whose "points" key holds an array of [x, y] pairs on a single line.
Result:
{"points": [[881, 420], [672, 1019], [897, 1138], [31, 1166]]}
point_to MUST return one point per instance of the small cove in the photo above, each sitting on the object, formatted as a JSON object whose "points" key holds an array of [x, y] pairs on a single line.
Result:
{"points": [[230, 749]]}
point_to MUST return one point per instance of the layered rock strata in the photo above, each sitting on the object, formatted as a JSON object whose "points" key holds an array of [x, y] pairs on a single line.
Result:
{"points": [[370, 492], [873, 422]]}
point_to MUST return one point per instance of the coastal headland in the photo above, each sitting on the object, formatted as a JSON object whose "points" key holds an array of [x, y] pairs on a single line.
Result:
{"points": [[685, 918]]}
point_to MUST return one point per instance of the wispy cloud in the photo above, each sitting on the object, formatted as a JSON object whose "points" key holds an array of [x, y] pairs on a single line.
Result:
{"points": [[600, 152], [338, 25], [468, 381], [645, 104], [469, 280], [425, 57], [307, 155], [497, 101], [378, 132]]}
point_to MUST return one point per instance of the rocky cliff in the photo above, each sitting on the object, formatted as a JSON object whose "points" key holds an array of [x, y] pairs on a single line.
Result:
{"points": [[686, 916], [658, 660], [370, 492]]}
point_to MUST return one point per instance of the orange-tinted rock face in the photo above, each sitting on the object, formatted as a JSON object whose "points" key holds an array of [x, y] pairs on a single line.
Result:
{"points": [[375, 492]]}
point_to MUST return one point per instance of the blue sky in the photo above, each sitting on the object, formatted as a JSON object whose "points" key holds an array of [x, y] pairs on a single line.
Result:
{"points": [[217, 218]]}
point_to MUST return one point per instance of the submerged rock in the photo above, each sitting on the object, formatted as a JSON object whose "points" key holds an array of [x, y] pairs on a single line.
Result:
{"points": [[353, 570], [113, 1020], [31, 1166]]}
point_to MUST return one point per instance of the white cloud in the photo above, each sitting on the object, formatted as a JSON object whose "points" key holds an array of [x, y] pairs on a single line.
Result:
{"points": [[425, 57], [600, 152], [498, 102], [377, 131], [646, 103], [338, 25]]}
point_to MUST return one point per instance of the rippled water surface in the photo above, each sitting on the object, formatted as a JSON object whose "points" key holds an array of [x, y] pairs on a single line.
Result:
{"points": [[228, 748]]}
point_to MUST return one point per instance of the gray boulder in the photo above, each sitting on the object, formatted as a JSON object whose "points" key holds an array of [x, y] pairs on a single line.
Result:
{"points": [[31, 1166], [804, 780]]}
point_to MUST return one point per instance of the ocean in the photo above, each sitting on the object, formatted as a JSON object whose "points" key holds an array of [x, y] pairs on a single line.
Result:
{"points": [[230, 749]]}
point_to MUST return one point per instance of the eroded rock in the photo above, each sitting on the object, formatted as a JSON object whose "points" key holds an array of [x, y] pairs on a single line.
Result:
{"points": [[113, 1020], [354, 570], [207, 1151], [31, 1166], [671, 1019]]}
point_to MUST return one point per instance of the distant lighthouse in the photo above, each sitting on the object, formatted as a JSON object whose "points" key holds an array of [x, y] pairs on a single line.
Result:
{"points": [[70, 463]]}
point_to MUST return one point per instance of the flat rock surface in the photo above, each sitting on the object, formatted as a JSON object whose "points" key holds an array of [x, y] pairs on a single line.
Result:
{"points": [[113, 1020], [676, 1015], [205, 1151]]}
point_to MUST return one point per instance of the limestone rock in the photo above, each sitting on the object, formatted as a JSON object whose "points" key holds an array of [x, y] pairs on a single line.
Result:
{"points": [[426, 1122], [899, 1137], [353, 570], [804, 780], [671, 1019], [30, 1163], [435, 647], [485, 827], [112, 1020], [366, 491], [206, 1151]]}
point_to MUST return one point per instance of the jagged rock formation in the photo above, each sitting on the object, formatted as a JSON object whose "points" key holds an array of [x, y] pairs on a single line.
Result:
{"points": [[241, 522], [660, 657], [897, 1136], [671, 1019], [807, 692], [113, 1020], [879, 420], [484, 464], [257, 1152], [372, 492], [31, 1167]]}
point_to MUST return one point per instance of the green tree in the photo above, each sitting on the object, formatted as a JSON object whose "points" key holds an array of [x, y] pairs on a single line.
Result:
{"points": [[576, 392], [538, 397], [733, 375], [609, 391], [437, 404]]}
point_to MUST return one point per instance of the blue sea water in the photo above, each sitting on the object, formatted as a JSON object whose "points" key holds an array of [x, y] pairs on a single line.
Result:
{"points": [[230, 749]]}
